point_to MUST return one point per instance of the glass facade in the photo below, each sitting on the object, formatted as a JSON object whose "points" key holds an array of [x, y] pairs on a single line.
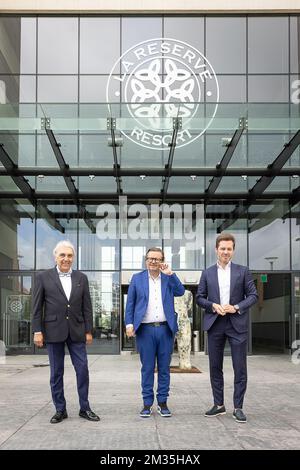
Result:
{"points": [[60, 67]]}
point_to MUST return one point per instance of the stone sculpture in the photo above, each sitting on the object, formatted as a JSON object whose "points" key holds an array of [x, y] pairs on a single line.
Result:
{"points": [[184, 307]]}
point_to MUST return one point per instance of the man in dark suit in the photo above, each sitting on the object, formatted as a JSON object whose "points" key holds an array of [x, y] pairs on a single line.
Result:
{"points": [[150, 315], [62, 314], [226, 291]]}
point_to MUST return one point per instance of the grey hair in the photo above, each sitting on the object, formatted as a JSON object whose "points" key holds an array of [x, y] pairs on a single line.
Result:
{"points": [[64, 243]]}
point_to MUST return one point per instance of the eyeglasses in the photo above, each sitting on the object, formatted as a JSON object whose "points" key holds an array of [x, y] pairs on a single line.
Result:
{"points": [[154, 260]]}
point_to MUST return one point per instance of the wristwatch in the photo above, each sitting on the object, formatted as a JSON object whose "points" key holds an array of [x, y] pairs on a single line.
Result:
{"points": [[237, 307]]}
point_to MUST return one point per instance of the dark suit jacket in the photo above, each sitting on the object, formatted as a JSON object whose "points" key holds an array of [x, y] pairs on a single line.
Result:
{"points": [[55, 315], [138, 298], [242, 292]]}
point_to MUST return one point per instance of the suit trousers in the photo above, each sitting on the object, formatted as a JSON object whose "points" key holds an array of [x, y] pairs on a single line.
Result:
{"points": [[155, 343], [220, 331], [56, 353]]}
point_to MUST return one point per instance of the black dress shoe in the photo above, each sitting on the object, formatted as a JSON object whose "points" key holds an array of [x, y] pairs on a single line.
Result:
{"points": [[90, 415], [58, 417], [239, 415], [216, 411]]}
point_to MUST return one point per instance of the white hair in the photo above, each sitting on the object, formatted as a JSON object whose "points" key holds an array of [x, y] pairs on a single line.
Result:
{"points": [[64, 243]]}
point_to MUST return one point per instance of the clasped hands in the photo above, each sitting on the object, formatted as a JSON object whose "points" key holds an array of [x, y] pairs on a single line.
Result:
{"points": [[223, 309]]}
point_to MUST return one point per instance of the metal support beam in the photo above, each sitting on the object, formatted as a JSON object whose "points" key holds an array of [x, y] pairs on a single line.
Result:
{"points": [[223, 164], [276, 166], [27, 191], [64, 168], [111, 125], [20, 181], [177, 124], [48, 215], [196, 197], [295, 198], [61, 163], [263, 219], [199, 171], [257, 191], [237, 213], [86, 216]]}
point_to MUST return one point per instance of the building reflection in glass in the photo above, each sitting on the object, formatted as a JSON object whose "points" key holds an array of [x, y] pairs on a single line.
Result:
{"points": [[105, 295]]}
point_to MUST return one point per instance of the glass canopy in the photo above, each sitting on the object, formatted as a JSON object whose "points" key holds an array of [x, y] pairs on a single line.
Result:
{"points": [[222, 117], [151, 149]]}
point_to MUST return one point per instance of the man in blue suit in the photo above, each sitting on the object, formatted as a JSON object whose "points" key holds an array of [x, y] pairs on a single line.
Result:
{"points": [[150, 315], [226, 291]]}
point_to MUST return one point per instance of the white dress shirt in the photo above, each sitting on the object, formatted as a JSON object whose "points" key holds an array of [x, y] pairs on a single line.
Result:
{"points": [[155, 310], [66, 282], [224, 283]]}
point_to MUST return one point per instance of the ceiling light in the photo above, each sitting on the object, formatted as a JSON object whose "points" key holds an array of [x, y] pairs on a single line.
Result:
{"points": [[142, 177], [193, 177], [91, 177]]}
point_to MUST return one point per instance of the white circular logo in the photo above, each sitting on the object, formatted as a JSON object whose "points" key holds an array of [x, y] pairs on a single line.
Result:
{"points": [[162, 79], [15, 306]]}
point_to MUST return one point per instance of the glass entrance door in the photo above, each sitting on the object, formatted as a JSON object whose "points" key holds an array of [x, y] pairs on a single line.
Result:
{"points": [[105, 296], [195, 315], [128, 344], [296, 311], [271, 315], [15, 313]]}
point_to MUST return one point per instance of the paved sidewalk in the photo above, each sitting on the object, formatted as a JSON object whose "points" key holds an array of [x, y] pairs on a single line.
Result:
{"points": [[272, 405]]}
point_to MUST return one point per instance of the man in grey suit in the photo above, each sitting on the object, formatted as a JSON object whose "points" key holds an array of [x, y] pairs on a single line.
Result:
{"points": [[62, 314], [226, 291]]}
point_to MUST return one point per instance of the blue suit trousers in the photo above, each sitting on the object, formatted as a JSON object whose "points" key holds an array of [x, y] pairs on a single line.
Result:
{"points": [[155, 343], [217, 335], [56, 353]]}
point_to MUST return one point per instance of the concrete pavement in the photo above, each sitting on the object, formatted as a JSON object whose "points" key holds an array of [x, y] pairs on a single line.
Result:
{"points": [[272, 406]]}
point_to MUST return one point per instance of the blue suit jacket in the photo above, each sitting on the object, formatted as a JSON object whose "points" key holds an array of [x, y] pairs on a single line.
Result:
{"points": [[138, 298], [242, 292]]}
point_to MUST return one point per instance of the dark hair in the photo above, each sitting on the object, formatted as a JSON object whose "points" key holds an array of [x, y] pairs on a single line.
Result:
{"points": [[155, 248], [225, 237]]}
